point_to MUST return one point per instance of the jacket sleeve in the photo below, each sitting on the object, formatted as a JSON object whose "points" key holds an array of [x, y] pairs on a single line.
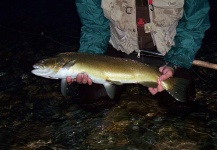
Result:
{"points": [[190, 32], [95, 32]]}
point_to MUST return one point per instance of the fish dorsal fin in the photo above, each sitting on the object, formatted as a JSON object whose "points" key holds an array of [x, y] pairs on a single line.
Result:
{"points": [[69, 64], [110, 89], [64, 87], [149, 84]]}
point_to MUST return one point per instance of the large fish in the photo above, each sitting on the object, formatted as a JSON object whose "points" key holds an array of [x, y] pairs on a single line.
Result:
{"points": [[108, 71]]}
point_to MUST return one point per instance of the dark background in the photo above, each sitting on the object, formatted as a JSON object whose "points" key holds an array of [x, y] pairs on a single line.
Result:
{"points": [[38, 15], [51, 25]]}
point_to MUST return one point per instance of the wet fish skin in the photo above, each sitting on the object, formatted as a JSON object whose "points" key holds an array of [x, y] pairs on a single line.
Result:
{"points": [[108, 71]]}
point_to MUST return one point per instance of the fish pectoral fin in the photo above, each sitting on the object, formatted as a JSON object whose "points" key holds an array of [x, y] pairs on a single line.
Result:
{"points": [[114, 82], [64, 87], [149, 84], [69, 64], [110, 89]]}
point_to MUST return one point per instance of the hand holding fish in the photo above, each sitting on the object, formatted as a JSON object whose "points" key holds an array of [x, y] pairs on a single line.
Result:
{"points": [[167, 72], [81, 79]]}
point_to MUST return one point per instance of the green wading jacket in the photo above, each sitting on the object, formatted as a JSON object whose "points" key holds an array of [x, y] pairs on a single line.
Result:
{"points": [[95, 32]]}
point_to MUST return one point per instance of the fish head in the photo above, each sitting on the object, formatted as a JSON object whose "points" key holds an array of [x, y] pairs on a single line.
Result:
{"points": [[48, 67]]}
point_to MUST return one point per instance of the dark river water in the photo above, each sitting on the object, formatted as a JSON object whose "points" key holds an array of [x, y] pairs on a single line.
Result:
{"points": [[34, 114]]}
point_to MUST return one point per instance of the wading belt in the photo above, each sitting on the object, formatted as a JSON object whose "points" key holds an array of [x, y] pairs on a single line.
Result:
{"points": [[142, 17]]}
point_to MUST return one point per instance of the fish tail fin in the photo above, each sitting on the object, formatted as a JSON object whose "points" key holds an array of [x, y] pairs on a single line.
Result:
{"points": [[176, 87]]}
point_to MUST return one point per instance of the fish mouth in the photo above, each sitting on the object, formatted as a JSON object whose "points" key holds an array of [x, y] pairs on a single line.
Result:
{"points": [[43, 72]]}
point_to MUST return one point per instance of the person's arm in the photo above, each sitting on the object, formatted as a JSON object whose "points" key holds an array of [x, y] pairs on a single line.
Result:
{"points": [[95, 31], [190, 32]]}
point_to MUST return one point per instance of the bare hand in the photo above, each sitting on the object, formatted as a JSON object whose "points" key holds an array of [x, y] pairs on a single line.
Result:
{"points": [[80, 79], [167, 72]]}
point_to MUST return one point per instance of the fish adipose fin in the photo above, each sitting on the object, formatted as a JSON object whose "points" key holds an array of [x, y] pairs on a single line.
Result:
{"points": [[176, 87], [110, 89], [64, 87]]}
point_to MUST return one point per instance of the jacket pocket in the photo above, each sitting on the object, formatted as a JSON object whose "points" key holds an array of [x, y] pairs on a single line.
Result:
{"points": [[166, 12]]}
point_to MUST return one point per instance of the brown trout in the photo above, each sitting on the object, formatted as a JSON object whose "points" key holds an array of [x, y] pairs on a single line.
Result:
{"points": [[108, 71]]}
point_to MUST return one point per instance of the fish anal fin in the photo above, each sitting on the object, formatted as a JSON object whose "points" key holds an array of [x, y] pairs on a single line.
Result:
{"points": [[114, 82], [110, 89], [149, 84]]}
